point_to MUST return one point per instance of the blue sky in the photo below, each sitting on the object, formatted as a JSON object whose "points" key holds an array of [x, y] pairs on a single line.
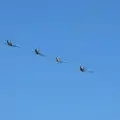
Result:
{"points": [[81, 32]]}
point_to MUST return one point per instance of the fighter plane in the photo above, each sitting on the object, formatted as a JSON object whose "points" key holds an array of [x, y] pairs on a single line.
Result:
{"points": [[37, 51], [83, 69], [58, 60], [9, 43]]}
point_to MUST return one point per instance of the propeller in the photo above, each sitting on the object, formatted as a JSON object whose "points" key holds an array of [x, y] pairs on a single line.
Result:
{"points": [[61, 61], [86, 70], [7, 42], [36, 49]]}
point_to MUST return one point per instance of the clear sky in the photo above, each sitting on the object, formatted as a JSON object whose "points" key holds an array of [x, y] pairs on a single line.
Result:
{"points": [[81, 32]]}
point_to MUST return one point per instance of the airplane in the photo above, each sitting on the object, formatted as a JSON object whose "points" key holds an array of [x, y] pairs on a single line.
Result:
{"points": [[37, 51], [9, 43], [83, 69], [58, 60]]}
